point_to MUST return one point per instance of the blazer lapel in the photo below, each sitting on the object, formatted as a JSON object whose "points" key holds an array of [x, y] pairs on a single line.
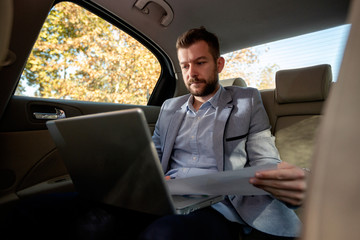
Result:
{"points": [[171, 133], [223, 112]]}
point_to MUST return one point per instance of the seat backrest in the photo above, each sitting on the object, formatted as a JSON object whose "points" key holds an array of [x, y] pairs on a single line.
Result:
{"points": [[233, 82], [294, 109], [6, 19]]}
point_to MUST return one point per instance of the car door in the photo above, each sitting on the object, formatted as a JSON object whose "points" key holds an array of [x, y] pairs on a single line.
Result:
{"points": [[99, 66]]}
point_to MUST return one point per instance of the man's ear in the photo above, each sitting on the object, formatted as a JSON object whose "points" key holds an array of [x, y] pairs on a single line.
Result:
{"points": [[220, 64]]}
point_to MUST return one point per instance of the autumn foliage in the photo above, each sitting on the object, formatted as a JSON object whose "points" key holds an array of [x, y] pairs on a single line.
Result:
{"points": [[81, 56], [245, 64]]}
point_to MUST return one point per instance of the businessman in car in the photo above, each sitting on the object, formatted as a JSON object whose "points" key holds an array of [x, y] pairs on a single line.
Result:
{"points": [[217, 128], [211, 129]]}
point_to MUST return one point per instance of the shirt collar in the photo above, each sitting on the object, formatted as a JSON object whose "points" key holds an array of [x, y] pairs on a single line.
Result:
{"points": [[213, 101]]}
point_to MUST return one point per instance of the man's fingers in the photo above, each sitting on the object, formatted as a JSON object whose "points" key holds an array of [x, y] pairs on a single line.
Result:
{"points": [[295, 200], [282, 173], [294, 185], [292, 192], [286, 183]]}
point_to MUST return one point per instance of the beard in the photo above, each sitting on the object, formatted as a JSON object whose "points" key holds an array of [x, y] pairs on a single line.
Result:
{"points": [[209, 88]]}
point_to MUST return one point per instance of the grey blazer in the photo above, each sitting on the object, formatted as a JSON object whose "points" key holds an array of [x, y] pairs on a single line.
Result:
{"points": [[243, 128]]}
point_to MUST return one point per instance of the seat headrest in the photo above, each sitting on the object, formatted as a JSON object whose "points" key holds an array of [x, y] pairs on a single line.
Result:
{"points": [[303, 84], [233, 82]]}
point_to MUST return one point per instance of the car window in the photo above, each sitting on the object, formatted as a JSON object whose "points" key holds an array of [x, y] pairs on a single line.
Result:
{"points": [[80, 56], [257, 65]]}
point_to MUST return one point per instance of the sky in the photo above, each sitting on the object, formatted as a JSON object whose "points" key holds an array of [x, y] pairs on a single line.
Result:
{"points": [[321, 47]]}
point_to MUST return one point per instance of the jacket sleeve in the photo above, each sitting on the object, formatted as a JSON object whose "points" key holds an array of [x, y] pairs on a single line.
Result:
{"points": [[156, 135], [260, 144]]}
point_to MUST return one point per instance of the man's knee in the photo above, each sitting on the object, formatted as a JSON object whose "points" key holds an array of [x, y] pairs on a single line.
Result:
{"points": [[169, 227]]}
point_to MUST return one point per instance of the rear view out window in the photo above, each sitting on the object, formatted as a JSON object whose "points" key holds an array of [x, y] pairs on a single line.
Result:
{"points": [[80, 56], [258, 65]]}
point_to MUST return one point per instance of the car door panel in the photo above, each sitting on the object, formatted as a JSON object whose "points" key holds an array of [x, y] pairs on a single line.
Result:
{"points": [[30, 163]]}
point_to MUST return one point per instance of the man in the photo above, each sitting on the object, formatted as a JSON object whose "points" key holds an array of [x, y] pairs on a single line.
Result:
{"points": [[217, 129]]}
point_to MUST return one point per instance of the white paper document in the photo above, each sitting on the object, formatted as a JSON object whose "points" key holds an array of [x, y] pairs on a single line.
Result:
{"points": [[220, 183]]}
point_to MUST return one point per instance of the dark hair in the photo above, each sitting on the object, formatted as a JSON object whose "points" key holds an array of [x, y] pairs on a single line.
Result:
{"points": [[199, 34]]}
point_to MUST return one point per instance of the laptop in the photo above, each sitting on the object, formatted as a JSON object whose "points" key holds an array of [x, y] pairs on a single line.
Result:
{"points": [[111, 158]]}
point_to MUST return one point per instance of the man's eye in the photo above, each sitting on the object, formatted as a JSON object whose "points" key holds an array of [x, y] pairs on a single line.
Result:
{"points": [[185, 66], [200, 63]]}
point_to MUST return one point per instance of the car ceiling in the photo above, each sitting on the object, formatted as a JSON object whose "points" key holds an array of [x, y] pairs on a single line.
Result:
{"points": [[238, 23]]}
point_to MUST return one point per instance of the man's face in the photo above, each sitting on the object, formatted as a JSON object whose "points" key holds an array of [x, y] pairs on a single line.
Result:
{"points": [[200, 70]]}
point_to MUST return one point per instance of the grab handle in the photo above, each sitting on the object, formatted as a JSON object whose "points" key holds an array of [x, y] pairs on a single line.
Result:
{"points": [[167, 18]]}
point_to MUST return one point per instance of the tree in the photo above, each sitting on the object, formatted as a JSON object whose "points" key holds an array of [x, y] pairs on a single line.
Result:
{"points": [[267, 77], [245, 64], [81, 56]]}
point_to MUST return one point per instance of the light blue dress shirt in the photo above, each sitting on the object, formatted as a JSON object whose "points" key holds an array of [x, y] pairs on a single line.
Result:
{"points": [[193, 152]]}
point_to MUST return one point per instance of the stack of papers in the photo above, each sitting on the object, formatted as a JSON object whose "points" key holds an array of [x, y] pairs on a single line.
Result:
{"points": [[220, 183]]}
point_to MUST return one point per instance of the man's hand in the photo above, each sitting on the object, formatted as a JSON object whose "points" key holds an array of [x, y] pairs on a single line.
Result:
{"points": [[287, 183]]}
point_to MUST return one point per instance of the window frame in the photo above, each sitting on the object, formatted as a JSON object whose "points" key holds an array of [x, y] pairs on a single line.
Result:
{"points": [[166, 78]]}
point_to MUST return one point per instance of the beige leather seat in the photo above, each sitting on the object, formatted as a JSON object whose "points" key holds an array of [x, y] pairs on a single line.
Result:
{"points": [[233, 82], [294, 109], [331, 207]]}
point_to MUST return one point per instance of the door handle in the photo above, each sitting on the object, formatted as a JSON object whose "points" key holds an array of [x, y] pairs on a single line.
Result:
{"points": [[59, 113], [167, 18]]}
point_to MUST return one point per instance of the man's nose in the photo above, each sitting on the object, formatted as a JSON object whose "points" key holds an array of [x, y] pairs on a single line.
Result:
{"points": [[193, 71]]}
